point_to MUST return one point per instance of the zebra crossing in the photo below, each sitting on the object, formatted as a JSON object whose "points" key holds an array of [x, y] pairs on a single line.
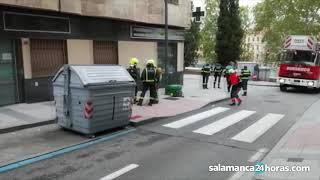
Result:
{"points": [[248, 135]]}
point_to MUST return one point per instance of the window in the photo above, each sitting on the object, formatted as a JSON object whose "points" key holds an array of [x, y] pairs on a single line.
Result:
{"points": [[258, 39], [299, 57], [257, 48], [35, 23], [176, 2]]}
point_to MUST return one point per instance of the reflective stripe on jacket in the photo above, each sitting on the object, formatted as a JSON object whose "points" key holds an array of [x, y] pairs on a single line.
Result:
{"points": [[245, 74], [149, 75], [206, 69]]}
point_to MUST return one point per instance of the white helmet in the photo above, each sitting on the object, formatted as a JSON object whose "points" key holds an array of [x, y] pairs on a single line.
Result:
{"points": [[231, 71]]}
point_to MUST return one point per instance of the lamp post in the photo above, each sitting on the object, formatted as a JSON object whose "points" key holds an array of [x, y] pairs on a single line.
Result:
{"points": [[166, 41]]}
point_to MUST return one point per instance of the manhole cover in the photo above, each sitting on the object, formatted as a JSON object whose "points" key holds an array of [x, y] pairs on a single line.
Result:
{"points": [[171, 98], [272, 101]]}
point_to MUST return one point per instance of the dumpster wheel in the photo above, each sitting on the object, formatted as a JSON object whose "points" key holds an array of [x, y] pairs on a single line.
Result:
{"points": [[90, 136]]}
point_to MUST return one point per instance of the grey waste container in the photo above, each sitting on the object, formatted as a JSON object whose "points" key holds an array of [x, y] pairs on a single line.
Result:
{"points": [[93, 98], [264, 73]]}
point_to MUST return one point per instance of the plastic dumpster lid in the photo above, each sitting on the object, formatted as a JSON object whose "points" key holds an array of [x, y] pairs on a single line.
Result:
{"points": [[99, 74]]}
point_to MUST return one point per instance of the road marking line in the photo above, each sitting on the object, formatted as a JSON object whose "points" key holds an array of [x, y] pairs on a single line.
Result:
{"points": [[258, 155], [120, 172], [196, 118], [257, 129], [62, 151], [224, 123], [237, 175]]}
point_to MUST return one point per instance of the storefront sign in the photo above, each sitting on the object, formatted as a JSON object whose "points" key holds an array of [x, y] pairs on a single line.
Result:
{"points": [[142, 32]]}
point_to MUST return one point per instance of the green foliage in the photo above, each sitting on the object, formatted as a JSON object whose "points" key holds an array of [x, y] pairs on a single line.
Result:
{"points": [[223, 34], [191, 44], [246, 18], [236, 30], [209, 29], [229, 34], [279, 18], [247, 24]]}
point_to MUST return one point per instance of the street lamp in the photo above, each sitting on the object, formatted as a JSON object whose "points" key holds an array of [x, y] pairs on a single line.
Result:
{"points": [[166, 40]]}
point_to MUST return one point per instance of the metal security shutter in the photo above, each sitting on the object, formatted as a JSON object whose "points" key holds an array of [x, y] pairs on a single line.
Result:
{"points": [[105, 52], [47, 56]]}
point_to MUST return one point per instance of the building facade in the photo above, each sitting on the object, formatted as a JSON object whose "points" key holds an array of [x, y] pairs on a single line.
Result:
{"points": [[255, 44], [38, 36]]}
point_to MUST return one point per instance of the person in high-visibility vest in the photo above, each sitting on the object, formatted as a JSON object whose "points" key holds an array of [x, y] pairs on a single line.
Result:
{"points": [[134, 72], [217, 72], [157, 84], [206, 69], [245, 76], [149, 79]]}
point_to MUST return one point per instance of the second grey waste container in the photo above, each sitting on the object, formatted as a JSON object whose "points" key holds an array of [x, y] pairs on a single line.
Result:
{"points": [[93, 98]]}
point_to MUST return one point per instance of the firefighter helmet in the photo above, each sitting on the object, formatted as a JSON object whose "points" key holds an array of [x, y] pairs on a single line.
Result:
{"points": [[134, 61], [151, 62]]}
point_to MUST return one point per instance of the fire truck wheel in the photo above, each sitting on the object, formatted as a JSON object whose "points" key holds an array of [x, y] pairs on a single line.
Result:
{"points": [[283, 88]]}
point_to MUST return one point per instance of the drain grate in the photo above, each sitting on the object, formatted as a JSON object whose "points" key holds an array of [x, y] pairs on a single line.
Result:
{"points": [[171, 98], [295, 160]]}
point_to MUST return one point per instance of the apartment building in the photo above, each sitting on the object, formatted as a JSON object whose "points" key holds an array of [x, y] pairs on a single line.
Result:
{"points": [[38, 36], [254, 42]]}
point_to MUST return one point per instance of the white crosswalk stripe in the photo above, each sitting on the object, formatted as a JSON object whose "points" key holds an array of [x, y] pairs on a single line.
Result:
{"points": [[257, 129], [195, 118], [224, 123]]}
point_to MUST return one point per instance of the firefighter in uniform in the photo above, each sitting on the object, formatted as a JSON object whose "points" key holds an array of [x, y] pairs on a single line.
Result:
{"points": [[205, 75], [217, 72], [148, 78], [134, 72], [158, 80], [245, 75]]}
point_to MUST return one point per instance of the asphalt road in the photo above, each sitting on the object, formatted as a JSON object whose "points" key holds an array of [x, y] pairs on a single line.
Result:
{"points": [[185, 146]]}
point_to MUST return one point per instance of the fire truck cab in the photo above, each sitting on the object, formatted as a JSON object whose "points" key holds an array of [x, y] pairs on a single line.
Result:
{"points": [[300, 63]]}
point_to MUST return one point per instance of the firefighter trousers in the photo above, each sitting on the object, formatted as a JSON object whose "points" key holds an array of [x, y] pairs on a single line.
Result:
{"points": [[205, 79], [145, 87], [217, 77], [244, 85]]}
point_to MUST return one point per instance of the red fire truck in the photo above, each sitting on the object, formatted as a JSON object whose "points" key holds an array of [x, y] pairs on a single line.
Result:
{"points": [[300, 63]]}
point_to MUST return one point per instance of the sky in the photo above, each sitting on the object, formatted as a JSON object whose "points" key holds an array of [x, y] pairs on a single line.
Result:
{"points": [[249, 3]]}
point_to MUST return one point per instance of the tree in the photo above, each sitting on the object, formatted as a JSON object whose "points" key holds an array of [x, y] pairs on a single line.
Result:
{"points": [[247, 25], [229, 34], [236, 30], [278, 18], [209, 29], [223, 34], [191, 44]]}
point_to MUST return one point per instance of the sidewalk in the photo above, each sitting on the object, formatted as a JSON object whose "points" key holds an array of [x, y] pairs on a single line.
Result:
{"points": [[194, 98], [299, 147], [23, 116]]}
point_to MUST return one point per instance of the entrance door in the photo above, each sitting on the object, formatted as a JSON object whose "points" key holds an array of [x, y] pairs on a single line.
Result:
{"points": [[8, 86], [47, 57]]}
